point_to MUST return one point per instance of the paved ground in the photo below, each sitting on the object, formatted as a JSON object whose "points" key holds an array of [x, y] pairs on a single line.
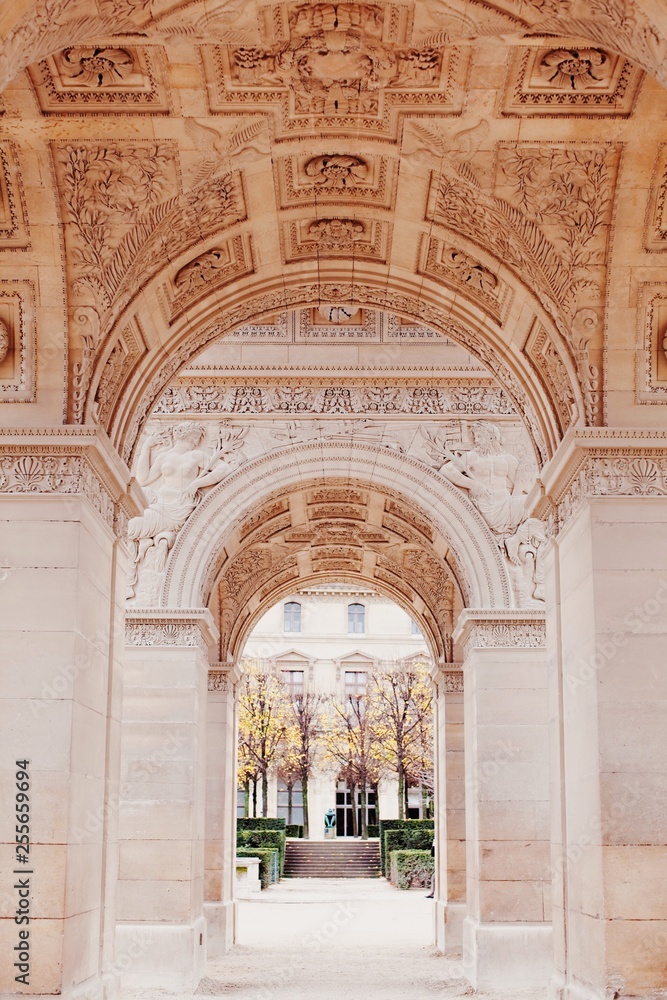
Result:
{"points": [[333, 939]]}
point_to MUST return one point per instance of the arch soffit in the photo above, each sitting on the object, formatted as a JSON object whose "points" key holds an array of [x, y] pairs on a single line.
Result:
{"points": [[412, 297], [32, 30], [469, 547]]}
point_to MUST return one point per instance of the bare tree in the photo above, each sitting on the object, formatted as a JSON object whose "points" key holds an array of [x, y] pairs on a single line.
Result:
{"points": [[347, 740], [402, 725]]}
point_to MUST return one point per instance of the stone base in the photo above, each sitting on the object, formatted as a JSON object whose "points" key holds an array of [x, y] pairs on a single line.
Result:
{"points": [[558, 990], [454, 916], [507, 956], [219, 928], [161, 956]]}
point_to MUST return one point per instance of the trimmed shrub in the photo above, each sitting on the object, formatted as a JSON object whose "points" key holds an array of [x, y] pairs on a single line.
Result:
{"points": [[260, 823], [402, 824], [294, 830], [406, 840], [264, 838], [411, 868], [373, 830], [268, 865]]}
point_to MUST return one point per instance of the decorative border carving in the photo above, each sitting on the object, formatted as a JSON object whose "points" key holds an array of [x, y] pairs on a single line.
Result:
{"points": [[601, 462], [143, 92], [63, 463], [526, 95], [17, 368], [218, 680], [14, 234], [318, 396], [547, 361], [499, 628], [190, 628]]}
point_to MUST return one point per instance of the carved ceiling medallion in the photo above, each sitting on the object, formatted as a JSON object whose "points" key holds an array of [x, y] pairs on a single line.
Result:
{"points": [[327, 66]]}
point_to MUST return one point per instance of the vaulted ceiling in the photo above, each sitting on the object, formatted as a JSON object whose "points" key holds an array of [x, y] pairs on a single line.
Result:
{"points": [[173, 172]]}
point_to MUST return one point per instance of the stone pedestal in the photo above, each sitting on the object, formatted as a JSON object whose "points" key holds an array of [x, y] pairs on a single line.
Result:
{"points": [[62, 579], [221, 755], [160, 900], [606, 493], [507, 934], [450, 883]]}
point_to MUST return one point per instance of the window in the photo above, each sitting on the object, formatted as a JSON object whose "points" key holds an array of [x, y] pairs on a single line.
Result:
{"points": [[292, 617], [356, 614], [414, 628], [355, 683], [294, 683]]}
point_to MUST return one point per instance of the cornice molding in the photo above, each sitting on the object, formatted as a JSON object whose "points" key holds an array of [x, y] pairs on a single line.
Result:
{"points": [[190, 628], [598, 462], [500, 628], [70, 461]]}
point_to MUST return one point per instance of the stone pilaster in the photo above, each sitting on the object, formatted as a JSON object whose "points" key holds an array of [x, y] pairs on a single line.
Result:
{"points": [[64, 502], [160, 905], [450, 887], [605, 493], [221, 761], [507, 936]]}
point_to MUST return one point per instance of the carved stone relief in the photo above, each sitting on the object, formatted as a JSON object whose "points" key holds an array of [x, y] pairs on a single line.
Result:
{"points": [[331, 178], [462, 271], [17, 341], [308, 395], [497, 483], [214, 268], [565, 80], [102, 78], [125, 352], [546, 359], [367, 239], [336, 67]]}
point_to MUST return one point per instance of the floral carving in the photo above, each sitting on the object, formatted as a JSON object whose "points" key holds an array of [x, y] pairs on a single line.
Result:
{"points": [[201, 270], [4, 341], [575, 69], [339, 233], [107, 188], [97, 66], [338, 172]]}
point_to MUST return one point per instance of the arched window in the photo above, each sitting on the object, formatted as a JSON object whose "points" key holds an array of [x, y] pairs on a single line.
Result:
{"points": [[292, 617], [356, 615]]}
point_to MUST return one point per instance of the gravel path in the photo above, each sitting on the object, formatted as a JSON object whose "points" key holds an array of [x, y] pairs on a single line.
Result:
{"points": [[333, 939]]}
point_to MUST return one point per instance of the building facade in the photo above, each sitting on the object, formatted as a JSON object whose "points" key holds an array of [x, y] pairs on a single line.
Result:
{"points": [[329, 640]]}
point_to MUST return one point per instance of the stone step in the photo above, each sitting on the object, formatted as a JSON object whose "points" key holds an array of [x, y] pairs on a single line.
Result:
{"points": [[332, 859]]}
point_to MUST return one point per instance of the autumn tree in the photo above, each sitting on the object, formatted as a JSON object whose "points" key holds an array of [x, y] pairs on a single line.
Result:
{"points": [[401, 725], [303, 745], [264, 720], [347, 740]]}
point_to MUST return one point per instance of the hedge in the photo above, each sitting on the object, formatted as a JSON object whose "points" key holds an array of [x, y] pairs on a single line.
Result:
{"points": [[406, 840], [264, 838], [268, 862], [373, 830], [260, 823], [294, 830], [400, 824], [411, 868]]}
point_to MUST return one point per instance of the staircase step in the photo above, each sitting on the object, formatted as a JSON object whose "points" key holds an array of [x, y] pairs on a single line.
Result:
{"points": [[332, 859]]}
